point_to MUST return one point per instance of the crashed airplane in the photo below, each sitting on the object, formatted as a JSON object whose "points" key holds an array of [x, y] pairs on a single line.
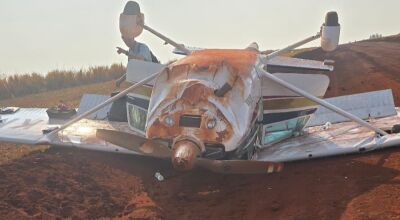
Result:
{"points": [[220, 109]]}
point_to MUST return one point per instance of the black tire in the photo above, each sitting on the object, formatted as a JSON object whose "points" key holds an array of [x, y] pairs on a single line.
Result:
{"points": [[332, 19]]}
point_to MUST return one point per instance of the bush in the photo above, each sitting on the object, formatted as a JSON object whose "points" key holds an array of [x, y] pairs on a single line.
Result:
{"points": [[375, 36]]}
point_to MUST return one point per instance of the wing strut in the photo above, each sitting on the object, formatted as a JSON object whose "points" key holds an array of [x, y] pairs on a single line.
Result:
{"points": [[322, 102], [98, 107], [167, 40], [292, 47]]}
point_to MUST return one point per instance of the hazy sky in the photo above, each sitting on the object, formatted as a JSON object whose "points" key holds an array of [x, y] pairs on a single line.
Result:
{"points": [[41, 35]]}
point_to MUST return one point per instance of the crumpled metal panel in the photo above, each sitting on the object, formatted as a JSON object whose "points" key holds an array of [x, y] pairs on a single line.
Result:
{"points": [[364, 105], [187, 88], [26, 127], [337, 139]]}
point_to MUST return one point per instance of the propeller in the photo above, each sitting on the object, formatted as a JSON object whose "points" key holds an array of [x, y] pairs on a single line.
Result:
{"points": [[185, 154], [136, 143]]}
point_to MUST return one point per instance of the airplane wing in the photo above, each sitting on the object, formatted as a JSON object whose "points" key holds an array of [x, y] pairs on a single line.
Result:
{"points": [[289, 62], [30, 125], [24, 126], [328, 134], [284, 62], [337, 139]]}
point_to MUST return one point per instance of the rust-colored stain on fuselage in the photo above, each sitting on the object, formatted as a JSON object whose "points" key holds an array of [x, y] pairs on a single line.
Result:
{"points": [[241, 60], [194, 99]]}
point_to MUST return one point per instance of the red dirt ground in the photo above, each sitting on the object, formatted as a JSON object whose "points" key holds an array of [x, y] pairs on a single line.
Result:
{"points": [[363, 66], [78, 184]]}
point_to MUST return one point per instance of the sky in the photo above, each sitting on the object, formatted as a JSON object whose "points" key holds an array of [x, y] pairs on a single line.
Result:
{"points": [[42, 35]]}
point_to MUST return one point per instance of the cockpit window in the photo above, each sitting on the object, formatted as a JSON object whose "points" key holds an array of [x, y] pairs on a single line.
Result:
{"points": [[136, 107], [137, 117], [279, 131]]}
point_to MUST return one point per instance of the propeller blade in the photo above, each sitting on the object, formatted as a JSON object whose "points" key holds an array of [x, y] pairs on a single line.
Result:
{"points": [[136, 143], [239, 166]]}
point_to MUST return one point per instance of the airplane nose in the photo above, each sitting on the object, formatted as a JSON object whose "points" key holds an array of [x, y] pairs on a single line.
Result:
{"points": [[184, 155]]}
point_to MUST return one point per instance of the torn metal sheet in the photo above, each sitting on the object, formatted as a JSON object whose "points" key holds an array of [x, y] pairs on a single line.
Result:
{"points": [[187, 90]]}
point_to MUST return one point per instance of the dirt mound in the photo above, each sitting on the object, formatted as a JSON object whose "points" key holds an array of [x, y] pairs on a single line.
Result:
{"points": [[71, 183], [363, 66]]}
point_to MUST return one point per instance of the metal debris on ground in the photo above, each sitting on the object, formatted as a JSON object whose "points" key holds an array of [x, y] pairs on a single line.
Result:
{"points": [[158, 176]]}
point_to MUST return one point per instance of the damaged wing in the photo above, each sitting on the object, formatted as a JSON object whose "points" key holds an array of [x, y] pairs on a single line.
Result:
{"points": [[332, 139], [328, 134], [31, 126], [24, 126], [289, 62]]}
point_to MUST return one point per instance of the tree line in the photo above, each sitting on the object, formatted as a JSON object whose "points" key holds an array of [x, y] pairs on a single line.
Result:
{"points": [[25, 84]]}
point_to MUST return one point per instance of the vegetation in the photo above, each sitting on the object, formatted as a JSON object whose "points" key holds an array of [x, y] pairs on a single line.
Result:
{"points": [[26, 84], [375, 36], [71, 96]]}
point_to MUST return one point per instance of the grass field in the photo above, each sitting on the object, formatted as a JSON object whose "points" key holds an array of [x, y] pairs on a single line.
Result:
{"points": [[70, 96]]}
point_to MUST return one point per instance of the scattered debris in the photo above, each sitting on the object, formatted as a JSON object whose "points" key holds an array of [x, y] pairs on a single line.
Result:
{"points": [[158, 176], [49, 129], [327, 125]]}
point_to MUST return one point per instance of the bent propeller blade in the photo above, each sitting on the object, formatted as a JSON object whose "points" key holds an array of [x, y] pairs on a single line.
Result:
{"points": [[136, 143]]}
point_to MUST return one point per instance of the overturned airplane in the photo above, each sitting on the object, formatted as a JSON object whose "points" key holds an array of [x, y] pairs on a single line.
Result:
{"points": [[220, 109]]}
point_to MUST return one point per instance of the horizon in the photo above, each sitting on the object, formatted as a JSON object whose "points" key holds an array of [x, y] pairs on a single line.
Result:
{"points": [[76, 35]]}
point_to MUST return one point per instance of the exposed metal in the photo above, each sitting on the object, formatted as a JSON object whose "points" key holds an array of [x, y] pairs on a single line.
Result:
{"points": [[367, 105], [187, 88], [340, 138], [184, 155], [322, 102], [100, 106], [219, 103], [337, 139]]}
